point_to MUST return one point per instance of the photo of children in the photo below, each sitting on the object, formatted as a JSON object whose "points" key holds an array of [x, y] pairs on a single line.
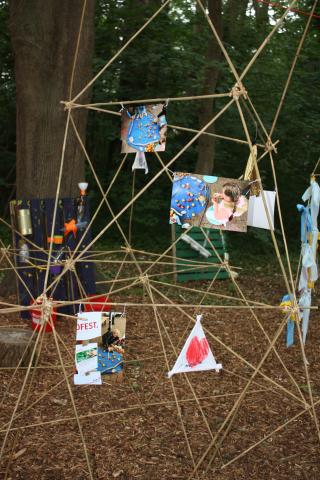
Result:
{"points": [[106, 354], [111, 347], [143, 128], [209, 201]]}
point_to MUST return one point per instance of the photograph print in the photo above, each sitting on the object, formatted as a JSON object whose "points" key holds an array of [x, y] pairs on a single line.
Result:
{"points": [[143, 128], [209, 201], [97, 357]]}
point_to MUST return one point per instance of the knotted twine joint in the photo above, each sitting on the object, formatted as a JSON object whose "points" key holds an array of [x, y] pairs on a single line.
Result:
{"points": [[292, 311], [295, 314], [46, 307], [69, 264], [68, 105], [238, 91], [144, 279], [270, 146]]}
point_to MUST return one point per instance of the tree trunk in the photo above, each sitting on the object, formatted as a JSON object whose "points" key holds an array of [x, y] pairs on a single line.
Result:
{"points": [[44, 38], [206, 143], [14, 345], [262, 15], [233, 21]]}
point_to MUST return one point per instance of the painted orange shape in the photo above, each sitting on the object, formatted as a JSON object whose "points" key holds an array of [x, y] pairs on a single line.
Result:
{"points": [[70, 227]]}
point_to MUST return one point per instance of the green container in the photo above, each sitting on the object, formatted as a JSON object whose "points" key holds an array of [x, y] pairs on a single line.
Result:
{"points": [[186, 257]]}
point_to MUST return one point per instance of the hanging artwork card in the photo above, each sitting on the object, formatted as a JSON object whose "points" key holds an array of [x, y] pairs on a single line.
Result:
{"points": [[196, 354], [209, 201], [143, 128], [105, 353], [257, 215]]}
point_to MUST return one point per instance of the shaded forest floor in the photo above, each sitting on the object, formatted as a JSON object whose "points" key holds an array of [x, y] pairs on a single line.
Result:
{"points": [[133, 430]]}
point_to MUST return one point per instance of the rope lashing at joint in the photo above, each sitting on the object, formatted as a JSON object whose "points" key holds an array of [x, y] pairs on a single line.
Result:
{"points": [[238, 91]]}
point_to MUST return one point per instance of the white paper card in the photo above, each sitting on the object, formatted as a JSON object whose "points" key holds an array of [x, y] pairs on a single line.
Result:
{"points": [[196, 354], [86, 357], [140, 162], [92, 378], [88, 325], [257, 216]]}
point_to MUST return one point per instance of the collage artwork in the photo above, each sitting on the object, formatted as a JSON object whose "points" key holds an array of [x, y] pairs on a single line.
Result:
{"points": [[100, 345], [217, 202], [207, 201], [144, 129]]}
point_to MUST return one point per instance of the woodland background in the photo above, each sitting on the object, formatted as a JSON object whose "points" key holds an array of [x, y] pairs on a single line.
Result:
{"points": [[175, 56]]}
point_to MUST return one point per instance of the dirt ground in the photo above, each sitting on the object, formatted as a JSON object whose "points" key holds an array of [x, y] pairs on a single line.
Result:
{"points": [[133, 430]]}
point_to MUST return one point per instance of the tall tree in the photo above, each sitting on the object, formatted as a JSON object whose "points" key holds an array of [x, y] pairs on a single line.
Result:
{"points": [[261, 11], [44, 37], [206, 143], [234, 20]]}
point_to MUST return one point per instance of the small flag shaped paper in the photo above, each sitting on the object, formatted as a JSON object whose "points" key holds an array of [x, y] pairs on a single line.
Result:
{"points": [[196, 354]]}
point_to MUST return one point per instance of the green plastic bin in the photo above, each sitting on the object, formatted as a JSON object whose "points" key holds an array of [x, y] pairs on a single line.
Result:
{"points": [[184, 251]]}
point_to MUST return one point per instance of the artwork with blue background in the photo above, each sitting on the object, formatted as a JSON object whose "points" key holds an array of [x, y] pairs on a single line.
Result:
{"points": [[109, 362], [209, 201], [143, 128]]}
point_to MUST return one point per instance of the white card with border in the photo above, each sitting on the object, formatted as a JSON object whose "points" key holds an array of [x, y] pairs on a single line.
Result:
{"points": [[257, 216]]}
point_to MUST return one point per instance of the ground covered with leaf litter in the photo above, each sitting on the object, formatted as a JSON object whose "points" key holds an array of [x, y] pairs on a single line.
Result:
{"points": [[133, 429]]}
